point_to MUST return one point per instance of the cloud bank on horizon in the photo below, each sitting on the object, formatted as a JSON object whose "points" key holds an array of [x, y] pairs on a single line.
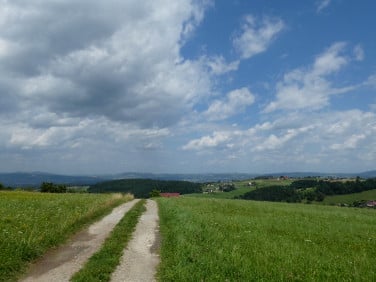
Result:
{"points": [[187, 86]]}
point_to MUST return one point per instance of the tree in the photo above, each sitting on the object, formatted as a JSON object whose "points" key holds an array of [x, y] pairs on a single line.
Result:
{"points": [[320, 196]]}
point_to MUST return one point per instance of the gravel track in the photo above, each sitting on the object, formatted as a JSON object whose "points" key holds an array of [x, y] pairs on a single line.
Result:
{"points": [[140, 258], [60, 264]]}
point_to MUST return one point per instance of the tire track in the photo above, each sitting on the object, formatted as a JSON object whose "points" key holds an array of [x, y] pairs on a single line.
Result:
{"points": [[60, 264], [140, 259]]}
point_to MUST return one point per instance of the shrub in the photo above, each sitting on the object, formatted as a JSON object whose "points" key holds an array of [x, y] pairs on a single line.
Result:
{"points": [[155, 193], [49, 187]]}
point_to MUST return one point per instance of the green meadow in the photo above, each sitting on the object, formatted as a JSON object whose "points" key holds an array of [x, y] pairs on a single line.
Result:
{"points": [[234, 240], [31, 223], [350, 198], [202, 238]]}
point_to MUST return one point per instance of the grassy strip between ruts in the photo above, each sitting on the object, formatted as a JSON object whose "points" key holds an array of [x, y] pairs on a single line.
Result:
{"points": [[236, 240], [31, 223], [101, 265]]}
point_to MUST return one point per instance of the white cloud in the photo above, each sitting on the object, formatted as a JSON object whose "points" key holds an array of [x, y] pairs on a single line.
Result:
{"points": [[96, 82], [358, 53], [105, 60], [350, 143], [330, 61], [310, 88], [256, 35], [218, 65], [273, 142], [217, 139], [235, 102], [296, 141], [322, 4], [371, 81]]}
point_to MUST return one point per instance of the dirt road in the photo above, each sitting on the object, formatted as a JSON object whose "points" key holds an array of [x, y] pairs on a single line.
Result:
{"points": [[140, 258], [60, 264]]}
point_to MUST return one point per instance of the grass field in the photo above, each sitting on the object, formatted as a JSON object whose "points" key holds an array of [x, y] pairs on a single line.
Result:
{"points": [[30, 223], [227, 240], [350, 198]]}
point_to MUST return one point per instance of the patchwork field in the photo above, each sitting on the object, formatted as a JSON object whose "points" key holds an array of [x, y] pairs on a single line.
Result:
{"points": [[234, 240], [30, 223]]}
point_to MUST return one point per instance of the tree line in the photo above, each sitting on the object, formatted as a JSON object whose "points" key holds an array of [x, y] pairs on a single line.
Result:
{"points": [[141, 188], [309, 190]]}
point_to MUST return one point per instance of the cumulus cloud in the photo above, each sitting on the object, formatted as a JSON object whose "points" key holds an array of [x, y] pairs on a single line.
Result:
{"points": [[320, 141], [311, 88], [235, 102], [81, 81], [256, 35], [104, 59]]}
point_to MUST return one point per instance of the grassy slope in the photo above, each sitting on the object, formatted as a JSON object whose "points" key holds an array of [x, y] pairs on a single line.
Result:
{"points": [[350, 198], [242, 188], [223, 240], [30, 223]]}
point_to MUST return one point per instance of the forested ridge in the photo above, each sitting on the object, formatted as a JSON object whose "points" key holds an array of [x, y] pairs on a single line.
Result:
{"points": [[141, 188]]}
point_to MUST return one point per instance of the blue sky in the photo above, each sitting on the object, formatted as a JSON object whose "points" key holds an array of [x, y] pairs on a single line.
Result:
{"points": [[189, 86]]}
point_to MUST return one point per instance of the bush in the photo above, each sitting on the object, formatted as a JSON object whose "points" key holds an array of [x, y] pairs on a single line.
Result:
{"points": [[49, 187], [155, 193]]}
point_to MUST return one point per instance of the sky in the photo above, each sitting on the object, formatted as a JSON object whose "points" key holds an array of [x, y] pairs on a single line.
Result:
{"points": [[187, 86]]}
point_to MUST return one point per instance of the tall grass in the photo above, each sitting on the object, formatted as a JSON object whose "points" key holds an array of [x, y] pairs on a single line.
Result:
{"points": [[30, 223], [227, 240]]}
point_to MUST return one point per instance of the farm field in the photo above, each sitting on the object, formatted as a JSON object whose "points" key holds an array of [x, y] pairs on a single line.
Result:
{"points": [[226, 240], [242, 187], [350, 198], [31, 223], [222, 195]]}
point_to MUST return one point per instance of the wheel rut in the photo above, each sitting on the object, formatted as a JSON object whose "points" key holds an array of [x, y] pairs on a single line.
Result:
{"points": [[140, 258], [61, 263]]}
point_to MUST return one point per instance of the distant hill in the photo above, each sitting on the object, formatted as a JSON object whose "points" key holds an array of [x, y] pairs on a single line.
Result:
{"points": [[368, 174], [194, 177], [141, 188], [35, 179]]}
